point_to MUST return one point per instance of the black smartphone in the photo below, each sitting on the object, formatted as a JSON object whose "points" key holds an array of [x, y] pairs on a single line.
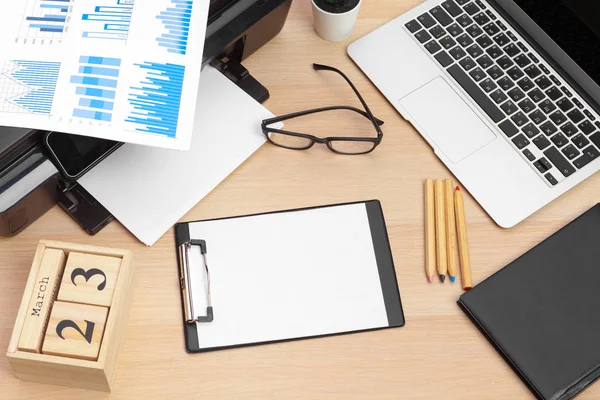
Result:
{"points": [[74, 155]]}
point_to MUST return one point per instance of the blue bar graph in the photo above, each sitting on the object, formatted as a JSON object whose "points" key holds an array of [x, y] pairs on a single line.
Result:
{"points": [[176, 21], [109, 21], [28, 86], [45, 19], [156, 101], [96, 80]]}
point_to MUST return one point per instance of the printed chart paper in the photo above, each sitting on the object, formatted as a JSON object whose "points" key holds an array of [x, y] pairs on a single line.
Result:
{"points": [[125, 70]]}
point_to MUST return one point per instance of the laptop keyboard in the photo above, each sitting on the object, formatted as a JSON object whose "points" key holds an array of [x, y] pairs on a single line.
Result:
{"points": [[545, 122]]}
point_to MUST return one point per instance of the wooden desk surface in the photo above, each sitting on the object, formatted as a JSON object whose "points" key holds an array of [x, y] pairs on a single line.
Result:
{"points": [[439, 354]]}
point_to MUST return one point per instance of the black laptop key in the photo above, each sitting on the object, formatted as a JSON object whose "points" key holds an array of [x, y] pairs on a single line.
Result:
{"points": [[542, 165], [485, 62], [581, 141], [412, 26], [521, 141], [586, 127], [474, 50], [551, 179], [519, 119], [554, 93], [505, 83], [515, 73], [527, 106], [474, 31], [480, 4], [508, 128], [530, 130], [486, 104], [595, 138], [504, 62], [452, 8], [494, 51], [443, 58], [565, 104], [578, 103], [558, 118], [569, 129], [471, 9], [536, 95], [491, 29], [516, 94], [484, 41], [432, 46], [542, 66], [488, 85], [464, 20], [541, 142], [501, 25], [566, 91], [532, 71], [543, 82], [589, 115], [527, 153], [457, 53], [597, 123], [437, 31], [492, 16], [423, 36], [467, 63], [454, 29], [464, 40], [555, 80], [537, 117], [481, 19], [522, 60], [441, 15], [570, 152], [477, 74], [426, 20], [512, 50], [559, 140], [495, 72], [447, 42], [526, 84], [501, 39], [498, 96], [509, 107], [547, 106], [575, 115], [462, 2], [589, 155], [559, 161], [548, 128]]}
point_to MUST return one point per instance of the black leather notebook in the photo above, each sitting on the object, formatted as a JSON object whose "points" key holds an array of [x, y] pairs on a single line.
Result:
{"points": [[542, 311]]}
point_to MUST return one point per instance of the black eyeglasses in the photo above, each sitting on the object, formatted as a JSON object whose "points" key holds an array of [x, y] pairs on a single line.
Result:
{"points": [[341, 145]]}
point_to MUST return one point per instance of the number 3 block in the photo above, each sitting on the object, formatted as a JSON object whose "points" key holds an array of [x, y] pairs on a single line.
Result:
{"points": [[75, 330], [89, 279]]}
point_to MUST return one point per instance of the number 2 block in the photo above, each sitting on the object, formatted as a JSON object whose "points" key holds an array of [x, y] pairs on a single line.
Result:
{"points": [[75, 330], [89, 279]]}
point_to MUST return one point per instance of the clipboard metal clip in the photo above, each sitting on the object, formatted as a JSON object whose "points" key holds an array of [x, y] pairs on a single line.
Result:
{"points": [[186, 286]]}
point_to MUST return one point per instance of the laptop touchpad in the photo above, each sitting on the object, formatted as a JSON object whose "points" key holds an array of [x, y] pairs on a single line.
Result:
{"points": [[446, 120]]}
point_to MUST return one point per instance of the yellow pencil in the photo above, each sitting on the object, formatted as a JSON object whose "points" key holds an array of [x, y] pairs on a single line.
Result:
{"points": [[429, 231], [463, 245], [440, 229], [450, 229]]}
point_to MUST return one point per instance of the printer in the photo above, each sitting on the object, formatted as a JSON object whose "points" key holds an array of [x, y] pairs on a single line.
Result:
{"points": [[30, 183]]}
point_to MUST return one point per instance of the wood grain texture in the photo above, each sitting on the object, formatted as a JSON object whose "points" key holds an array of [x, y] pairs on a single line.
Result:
{"points": [[439, 354]]}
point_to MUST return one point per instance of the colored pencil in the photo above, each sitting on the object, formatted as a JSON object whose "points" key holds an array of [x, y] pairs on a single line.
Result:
{"points": [[440, 229], [463, 244], [450, 229], [429, 230]]}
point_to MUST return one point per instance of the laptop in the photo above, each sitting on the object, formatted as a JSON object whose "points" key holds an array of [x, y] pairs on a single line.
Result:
{"points": [[506, 92]]}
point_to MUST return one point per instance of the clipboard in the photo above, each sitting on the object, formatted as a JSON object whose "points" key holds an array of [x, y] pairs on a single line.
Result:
{"points": [[286, 275]]}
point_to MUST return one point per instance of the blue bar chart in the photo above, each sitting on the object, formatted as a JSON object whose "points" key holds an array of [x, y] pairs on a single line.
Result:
{"points": [[28, 86], [45, 19], [109, 21], [155, 103], [176, 23], [96, 82]]}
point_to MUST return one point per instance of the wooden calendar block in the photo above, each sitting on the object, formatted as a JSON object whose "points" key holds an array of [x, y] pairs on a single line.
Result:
{"points": [[40, 303], [89, 279], [75, 330]]}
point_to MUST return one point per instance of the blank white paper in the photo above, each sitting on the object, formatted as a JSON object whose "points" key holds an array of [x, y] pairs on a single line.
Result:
{"points": [[148, 189], [125, 70], [287, 275]]}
